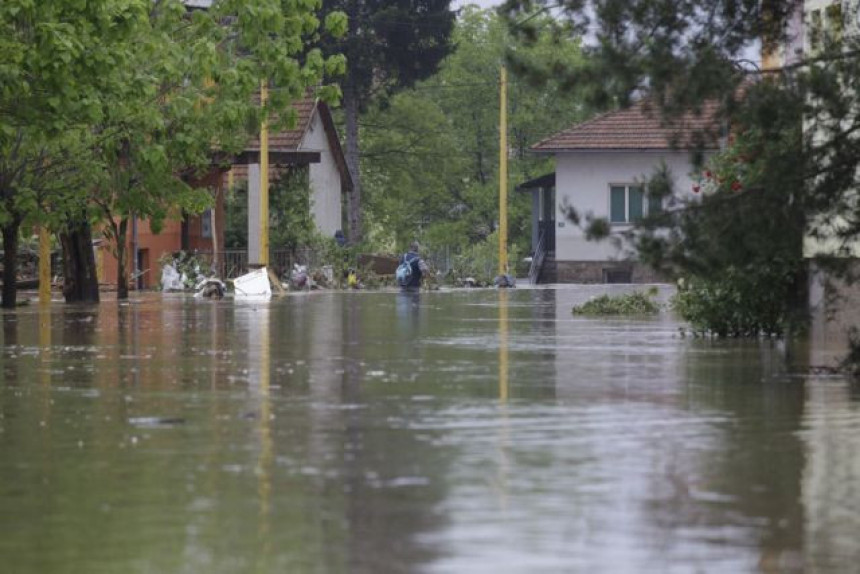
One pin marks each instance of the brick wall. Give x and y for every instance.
(600, 272)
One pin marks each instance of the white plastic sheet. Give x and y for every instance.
(253, 285)
(170, 279)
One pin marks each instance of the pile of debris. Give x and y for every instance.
(181, 271)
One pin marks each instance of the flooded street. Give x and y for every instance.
(465, 431)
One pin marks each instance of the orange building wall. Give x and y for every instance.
(169, 240)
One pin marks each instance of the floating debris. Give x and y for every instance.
(505, 281)
(299, 277)
(210, 288)
(156, 421)
(253, 285)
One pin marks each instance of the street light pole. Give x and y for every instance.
(503, 172)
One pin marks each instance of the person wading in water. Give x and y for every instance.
(411, 269)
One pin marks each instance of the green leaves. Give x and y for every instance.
(431, 154)
(742, 302)
(336, 24)
(636, 303)
(120, 103)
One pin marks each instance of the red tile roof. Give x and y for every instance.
(291, 139)
(638, 127)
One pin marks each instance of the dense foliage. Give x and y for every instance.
(636, 303)
(742, 303)
(432, 153)
(785, 189)
(291, 225)
(740, 243)
(478, 263)
(115, 109)
(389, 45)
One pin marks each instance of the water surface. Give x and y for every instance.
(466, 431)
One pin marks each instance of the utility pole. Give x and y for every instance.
(44, 266)
(503, 158)
(264, 179)
(503, 172)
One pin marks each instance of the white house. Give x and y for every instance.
(601, 165)
(314, 143)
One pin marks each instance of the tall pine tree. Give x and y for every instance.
(390, 44)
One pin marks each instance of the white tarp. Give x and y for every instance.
(253, 285)
(171, 280)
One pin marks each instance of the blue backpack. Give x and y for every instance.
(403, 274)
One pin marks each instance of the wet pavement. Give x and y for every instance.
(464, 431)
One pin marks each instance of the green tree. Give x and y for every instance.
(154, 93)
(56, 60)
(432, 153)
(389, 45)
(191, 89)
(795, 128)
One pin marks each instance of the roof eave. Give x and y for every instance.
(620, 150)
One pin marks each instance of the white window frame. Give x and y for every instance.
(646, 204)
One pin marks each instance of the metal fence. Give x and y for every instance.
(233, 263)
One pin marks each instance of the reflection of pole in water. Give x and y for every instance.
(259, 358)
(45, 330)
(504, 428)
(503, 345)
(45, 356)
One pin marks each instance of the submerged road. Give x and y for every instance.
(464, 431)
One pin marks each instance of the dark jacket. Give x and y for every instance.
(414, 261)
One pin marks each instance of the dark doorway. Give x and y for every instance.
(142, 268)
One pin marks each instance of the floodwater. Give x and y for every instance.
(465, 431)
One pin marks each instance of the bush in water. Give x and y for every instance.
(742, 303)
(637, 303)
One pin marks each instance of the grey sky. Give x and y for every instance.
(481, 3)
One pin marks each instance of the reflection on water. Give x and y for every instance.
(432, 432)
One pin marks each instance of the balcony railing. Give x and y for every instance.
(538, 259)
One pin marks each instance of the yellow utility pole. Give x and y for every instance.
(264, 180)
(503, 345)
(44, 266)
(503, 172)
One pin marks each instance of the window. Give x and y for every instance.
(627, 203)
(815, 30)
(206, 224)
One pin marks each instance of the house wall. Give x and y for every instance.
(324, 180)
(829, 225)
(583, 180)
(789, 52)
(168, 240)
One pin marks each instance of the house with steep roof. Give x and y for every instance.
(601, 169)
(312, 144)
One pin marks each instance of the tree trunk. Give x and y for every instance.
(121, 233)
(10, 263)
(80, 280)
(216, 245)
(350, 106)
